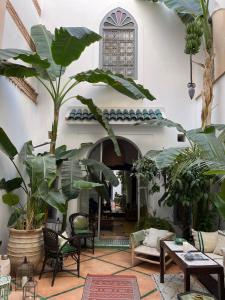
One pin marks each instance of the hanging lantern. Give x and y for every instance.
(24, 272)
(29, 289)
(191, 85)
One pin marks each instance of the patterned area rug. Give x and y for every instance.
(111, 287)
(174, 284)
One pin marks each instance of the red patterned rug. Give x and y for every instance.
(111, 287)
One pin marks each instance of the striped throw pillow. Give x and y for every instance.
(205, 241)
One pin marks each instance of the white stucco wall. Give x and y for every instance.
(19, 116)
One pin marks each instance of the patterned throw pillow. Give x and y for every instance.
(80, 223)
(220, 246)
(205, 241)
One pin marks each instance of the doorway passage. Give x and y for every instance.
(118, 214)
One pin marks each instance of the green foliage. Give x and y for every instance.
(154, 222)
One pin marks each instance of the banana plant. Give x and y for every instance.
(40, 189)
(205, 154)
(53, 54)
(195, 15)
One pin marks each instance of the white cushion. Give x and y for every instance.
(220, 243)
(61, 240)
(153, 235)
(147, 250)
(205, 241)
(214, 256)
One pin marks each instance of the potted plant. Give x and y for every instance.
(28, 214)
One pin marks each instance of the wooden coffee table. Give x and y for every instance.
(189, 268)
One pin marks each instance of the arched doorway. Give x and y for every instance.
(118, 215)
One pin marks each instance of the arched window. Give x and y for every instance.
(118, 47)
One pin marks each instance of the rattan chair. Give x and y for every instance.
(85, 234)
(56, 253)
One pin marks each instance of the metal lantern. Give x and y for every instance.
(24, 272)
(29, 289)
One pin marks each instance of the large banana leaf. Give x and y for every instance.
(70, 171)
(6, 54)
(6, 146)
(14, 70)
(26, 151)
(166, 157)
(62, 153)
(43, 41)
(186, 9)
(210, 146)
(56, 199)
(41, 168)
(10, 185)
(126, 86)
(165, 123)
(97, 167)
(28, 57)
(85, 185)
(70, 42)
(102, 120)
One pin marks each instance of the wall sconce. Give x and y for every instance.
(191, 85)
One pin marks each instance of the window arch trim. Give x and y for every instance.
(120, 19)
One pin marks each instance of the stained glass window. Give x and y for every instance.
(119, 44)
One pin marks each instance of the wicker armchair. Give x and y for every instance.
(86, 231)
(56, 252)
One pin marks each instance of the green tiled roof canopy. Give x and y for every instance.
(116, 114)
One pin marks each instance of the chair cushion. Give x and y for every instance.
(205, 241)
(80, 223)
(153, 236)
(67, 249)
(62, 241)
(147, 250)
(220, 246)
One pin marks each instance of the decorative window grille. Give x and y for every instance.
(118, 52)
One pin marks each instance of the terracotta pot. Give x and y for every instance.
(23, 243)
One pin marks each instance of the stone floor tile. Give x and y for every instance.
(62, 283)
(98, 252)
(95, 266)
(72, 295)
(147, 268)
(154, 296)
(121, 258)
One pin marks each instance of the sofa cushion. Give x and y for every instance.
(153, 236)
(147, 250)
(220, 243)
(205, 241)
(80, 223)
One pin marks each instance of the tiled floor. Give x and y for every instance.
(104, 261)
